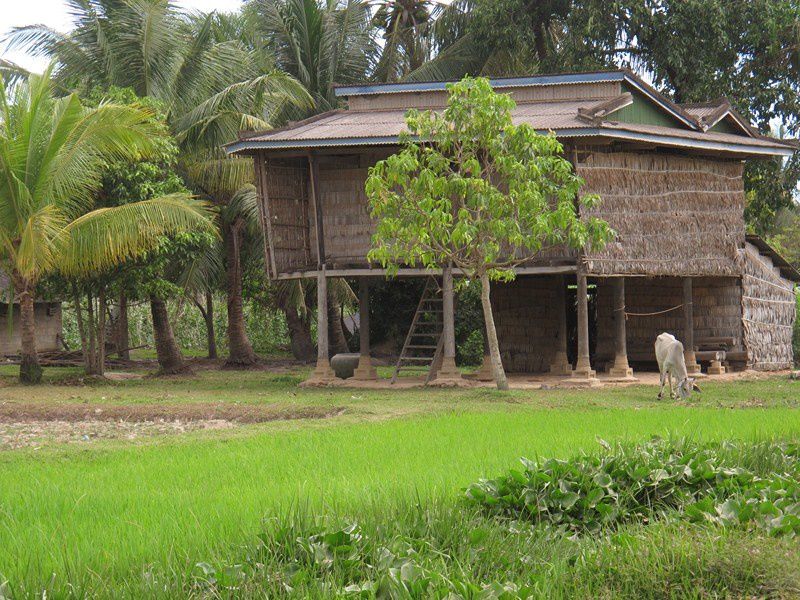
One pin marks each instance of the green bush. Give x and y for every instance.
(640, 483)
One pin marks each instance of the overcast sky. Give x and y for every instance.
(53, 13)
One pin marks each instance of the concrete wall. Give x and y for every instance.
(48, 328)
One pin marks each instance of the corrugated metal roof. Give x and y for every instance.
(354, 128)
(698, 111)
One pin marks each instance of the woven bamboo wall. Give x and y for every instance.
(526, 320)
(347, 226)
(291, 224)
(674, 215)
(768, 313)
(717, 313)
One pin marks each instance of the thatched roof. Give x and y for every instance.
(787, 270)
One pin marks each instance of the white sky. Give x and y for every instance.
(53, 13)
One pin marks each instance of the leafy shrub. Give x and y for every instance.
(640, 483)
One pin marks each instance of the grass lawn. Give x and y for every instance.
(133, 518)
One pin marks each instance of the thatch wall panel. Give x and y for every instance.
(674, 215)
(768, 313)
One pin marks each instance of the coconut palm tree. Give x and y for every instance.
(406, 27)
(212, 78)
(52, 155)
(319, 42)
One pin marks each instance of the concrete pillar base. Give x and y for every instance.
(484, 373)
(365, 371)
(692, 368)
(560, 365)
(448, 371)
(582, 372)
(321, 375)
(621, 372)
(716, 368)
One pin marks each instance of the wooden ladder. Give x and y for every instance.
(423, 346)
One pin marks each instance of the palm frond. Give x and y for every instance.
(107, 237)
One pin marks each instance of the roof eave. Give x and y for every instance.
(743, 149)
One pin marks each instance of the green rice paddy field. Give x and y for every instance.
(117, 517)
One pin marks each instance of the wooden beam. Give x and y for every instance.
(448, 370)
(367, 272)
(583, 368)
(313, 178)
(266, 217)
(688, 328)
(560, 364)
(620, 368)
(365, 370)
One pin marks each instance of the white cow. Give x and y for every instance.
(669, 354)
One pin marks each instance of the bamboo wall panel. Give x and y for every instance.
(674, 215)
(347, 225)
(291, 224)
(717, 313)
(768, 313)
(527, 322)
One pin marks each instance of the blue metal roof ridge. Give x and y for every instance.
(668, 140)
(500, 82)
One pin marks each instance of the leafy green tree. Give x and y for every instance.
(471, 189)
(53, 152)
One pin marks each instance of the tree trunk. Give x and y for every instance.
(208, 316)
(169, 355)
(491, 334)
(30, 371)
(92, 362)
(123, 334)
(337, 338)
(76, 300)
(240, 350)
(301, 343)
(100, 365)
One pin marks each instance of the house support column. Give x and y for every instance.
(560, 364)
(485, 372)
(448, 370)
(365, 371)
(688, 328)
(620, 369)
(583, 368)
(323, 373)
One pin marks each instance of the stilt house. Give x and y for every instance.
(670, 180)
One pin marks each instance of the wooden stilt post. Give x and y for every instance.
(365, 371)
(323, 373)
(560, 364)
(688, 328)
(620, 368)
(448, 370)
(583, 368)
(484, 373)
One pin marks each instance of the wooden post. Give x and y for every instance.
(620, 368)
(448, 369)
(560, 364)
(583, 368)
(688, 328)
(323, 373)
(365, 371)
(484, 372)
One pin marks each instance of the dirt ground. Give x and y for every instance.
(34, 424)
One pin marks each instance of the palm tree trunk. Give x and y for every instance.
(30, 371)
(208, 317)
(299, 335)
(76, 300)
(240, 351)
(169, 355)
(100, 365)
(123, 332)
(337, 339)
(92, 368)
